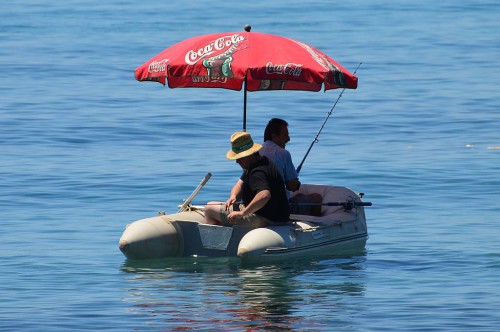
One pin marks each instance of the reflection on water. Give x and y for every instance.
(190, 294)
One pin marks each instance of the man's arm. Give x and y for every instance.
(235, 193)
(255, 205)
(290, 173)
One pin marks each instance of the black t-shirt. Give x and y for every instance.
(263, 175)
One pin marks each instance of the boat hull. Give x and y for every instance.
(281, 242)
(339, 231)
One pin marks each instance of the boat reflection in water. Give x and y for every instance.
(179, 294)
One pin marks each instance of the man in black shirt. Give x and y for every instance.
(261, 188)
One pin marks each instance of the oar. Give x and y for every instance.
(188, 201)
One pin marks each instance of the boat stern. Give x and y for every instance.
(150, 238)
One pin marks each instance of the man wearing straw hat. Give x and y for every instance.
(260, 187)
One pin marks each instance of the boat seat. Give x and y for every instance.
(329, 214)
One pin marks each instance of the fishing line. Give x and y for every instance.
(324, 122)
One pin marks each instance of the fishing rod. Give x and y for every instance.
(320, 129)
(348, 205)
(216, 203)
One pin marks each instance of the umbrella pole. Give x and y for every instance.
(245, 105)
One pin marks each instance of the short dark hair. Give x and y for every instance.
(274, 127)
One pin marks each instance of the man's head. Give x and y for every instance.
(277, 131)
(242, 146)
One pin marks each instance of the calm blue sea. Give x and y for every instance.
(85, 149)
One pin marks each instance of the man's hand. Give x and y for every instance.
(229, 202)
(293, 185)
(235, 215)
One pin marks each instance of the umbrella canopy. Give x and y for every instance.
(253, 60)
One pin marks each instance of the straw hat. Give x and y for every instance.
(242, 145)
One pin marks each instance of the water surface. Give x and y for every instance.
(85, 149)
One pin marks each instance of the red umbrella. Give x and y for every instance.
(253, 60)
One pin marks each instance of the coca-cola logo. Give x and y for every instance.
(289, 69)
(158, 66)
(218, 45)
